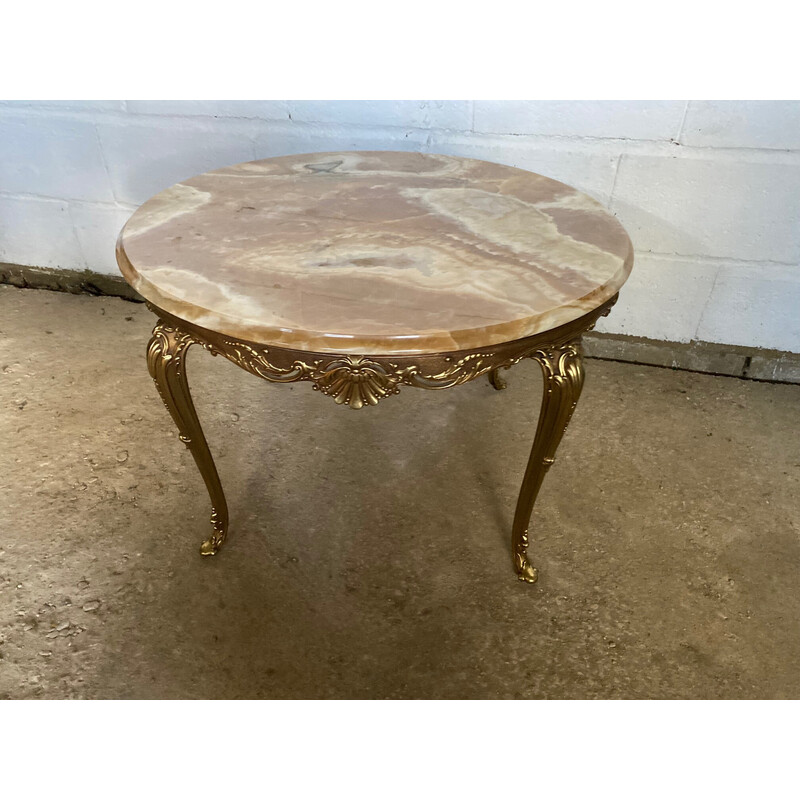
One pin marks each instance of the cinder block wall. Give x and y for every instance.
(709, 191)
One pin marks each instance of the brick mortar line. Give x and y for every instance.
(683, 123)
(718, 259)
(104, 161)
(708, 300)
(117, 204)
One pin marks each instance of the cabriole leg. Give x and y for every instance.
(166, 360)
(562, 371)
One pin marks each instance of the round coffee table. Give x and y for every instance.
(362, 272)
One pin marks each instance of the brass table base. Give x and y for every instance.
(359, 381)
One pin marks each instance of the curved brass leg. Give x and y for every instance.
(166, 360)
(496, 380)
(562, 370)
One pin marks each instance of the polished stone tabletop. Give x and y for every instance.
(374, 252)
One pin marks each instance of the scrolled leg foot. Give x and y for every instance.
(496, 381)
(208, 547)
(526, 572)
(211, 546)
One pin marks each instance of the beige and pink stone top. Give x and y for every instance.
(374, 252)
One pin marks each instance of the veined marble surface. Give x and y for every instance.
(374, 252)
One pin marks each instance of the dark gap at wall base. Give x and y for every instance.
(68, 280)
(749, 363)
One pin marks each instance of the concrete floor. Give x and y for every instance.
(369, 553)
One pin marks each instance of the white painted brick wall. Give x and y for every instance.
(246, 109)
(640, 310)
(40, 232)
(275, 139)
(736, 314)
(51, 156)
(761, 124)
(591, 172)
(97, 227)
(594, 118)
(425, 114)
(710, 191)
(707, 207)
(70, 105)
(146, 155)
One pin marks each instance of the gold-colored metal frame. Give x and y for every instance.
(363, 380)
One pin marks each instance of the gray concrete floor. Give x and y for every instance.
(369, 553)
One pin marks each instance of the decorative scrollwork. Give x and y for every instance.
(256, 361)
(562, 368)
(463, 370)
(357, 381)
(166, 352)
(354, 381)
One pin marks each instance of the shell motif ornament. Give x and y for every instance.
(356, 382)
